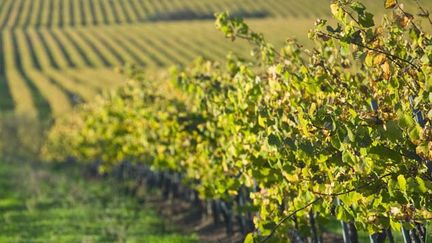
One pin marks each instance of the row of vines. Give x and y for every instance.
(342, 130)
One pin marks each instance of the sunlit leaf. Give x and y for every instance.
(390, 4)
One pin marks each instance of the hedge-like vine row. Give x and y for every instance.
(343, 129)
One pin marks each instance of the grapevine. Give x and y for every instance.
(343, 129)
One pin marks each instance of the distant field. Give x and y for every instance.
(61, 13)
(56, 53)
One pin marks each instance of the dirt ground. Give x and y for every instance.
(189, 218)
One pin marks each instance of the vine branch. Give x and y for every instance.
(287, 217)
(352, 189)
(388, 54)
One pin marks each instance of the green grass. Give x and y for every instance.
(40, 204)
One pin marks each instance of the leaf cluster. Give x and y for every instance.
(348, 121)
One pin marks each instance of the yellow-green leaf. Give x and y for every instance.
(369, 60)
(402, 183)
(421, 184)
(261, 121)
(395, 225)
(390, 4)
(249, 238)
(334, 8)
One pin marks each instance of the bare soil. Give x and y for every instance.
(189, 218)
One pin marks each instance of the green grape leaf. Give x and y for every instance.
(384, 152)
(350, 134)
(274, 140)
(342, 214)
(421, 185)
(348, 157)
(415, 134)
(367, 20)
(406, 121)
(335, 141)
(358, 7)
(429, 87)
(395, 225)
(249, 238)
(261, 121)
(402, 183)
(391, 187)
(393, 131)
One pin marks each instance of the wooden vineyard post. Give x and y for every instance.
(216, 210)
(227, 215)
(390, 235)
(349, 231)
(241, 202)
(378, 237)
(316, 238)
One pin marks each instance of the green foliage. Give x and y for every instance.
(304, 127)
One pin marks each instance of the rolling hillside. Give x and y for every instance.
(61, 13)
(56, 53)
